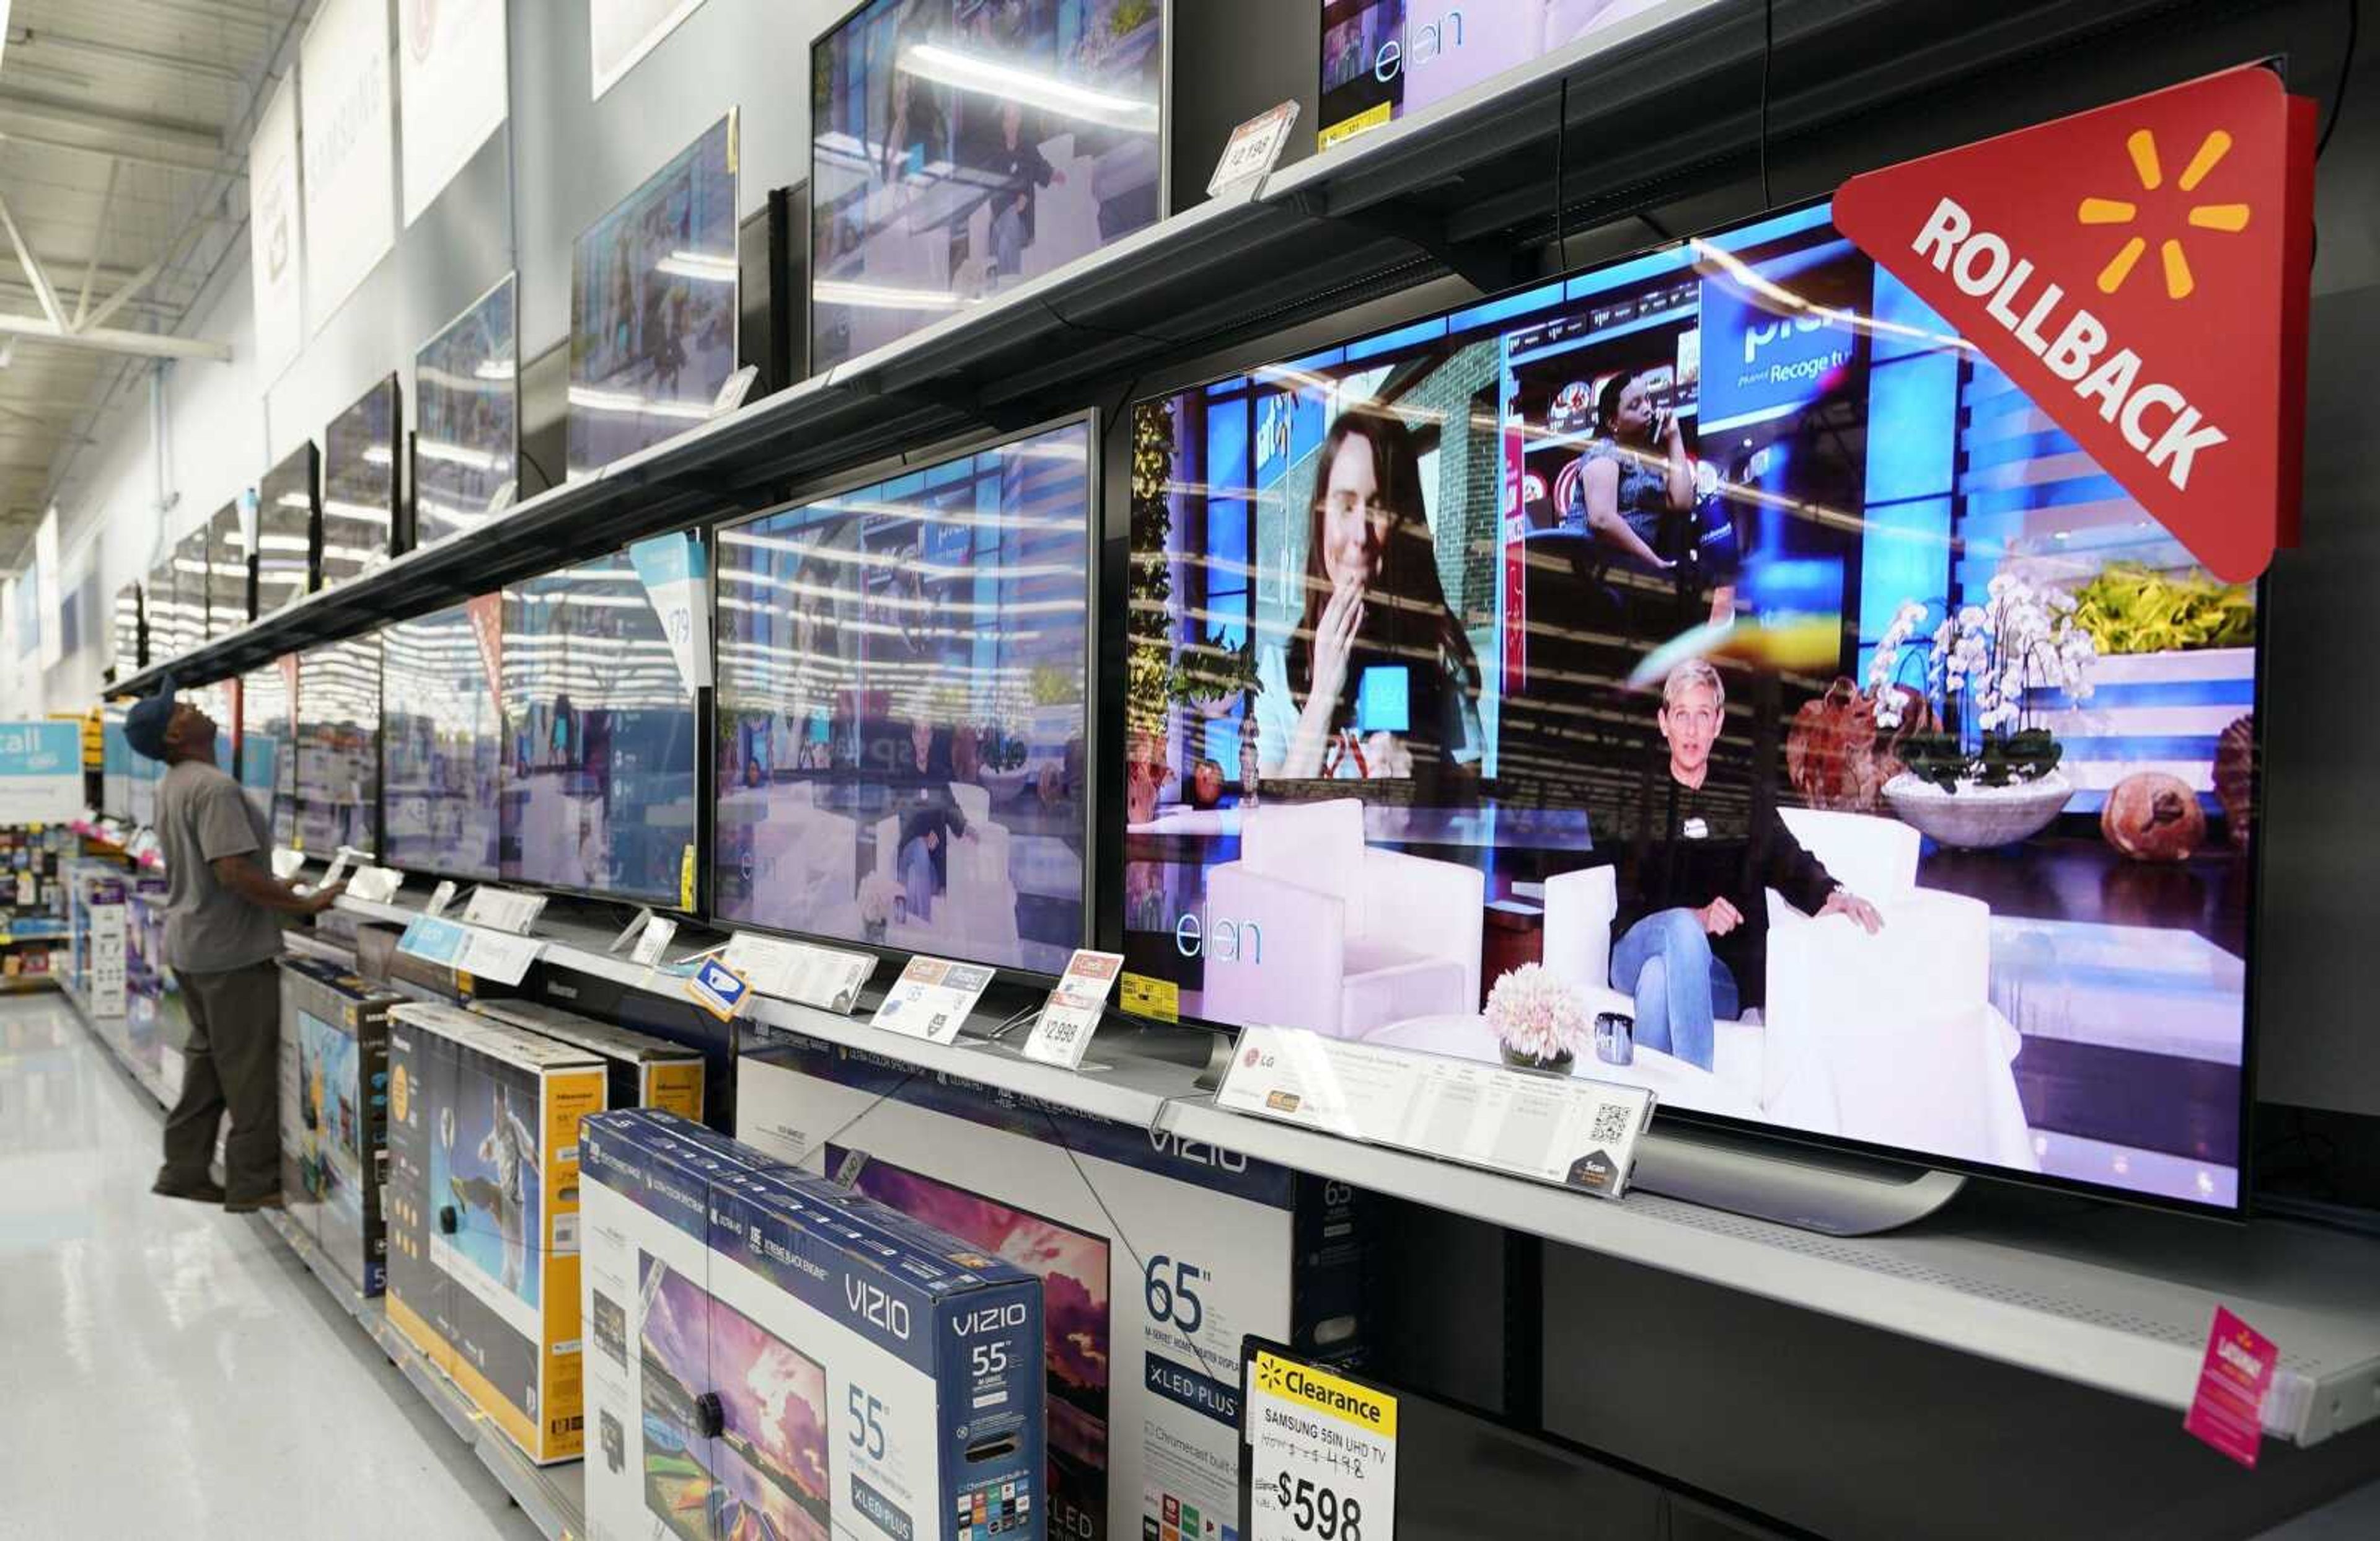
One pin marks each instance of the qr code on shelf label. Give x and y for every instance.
(1612, 1122)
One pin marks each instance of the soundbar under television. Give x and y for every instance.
(1754, 667)
(901, 708)
(652, 307)
(466, 418)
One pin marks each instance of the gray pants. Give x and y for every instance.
(235, 1066)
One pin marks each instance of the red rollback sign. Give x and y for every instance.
(487, 614)
(2140, 271)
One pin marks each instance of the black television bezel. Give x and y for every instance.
(733, 120)
(310, 453)
(808, 342)
(1417, 306)
(409, 497)
(325, 464)
(698, 698)
(1096, 601)
(388, 856)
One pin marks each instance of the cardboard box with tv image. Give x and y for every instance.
(642, 1071)
(1770, 677)
(1141, 1327)
(335, 1113)
(730, 1296)
(484, 1221)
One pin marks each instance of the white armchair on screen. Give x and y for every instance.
(805, 860)
(1918, 1058)
(1310, 927)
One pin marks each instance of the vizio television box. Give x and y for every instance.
(483, 1213)
(1144, 1327)
(335, 1113)
(645, 1072)
(771, 1355)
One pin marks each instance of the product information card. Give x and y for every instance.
(799, 971)
(470, 950)
(1553, 1128)
(1072, 1014)
(504, 909)
(1324, 1453)
(932, 997)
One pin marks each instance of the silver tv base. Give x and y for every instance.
(1827, 1192)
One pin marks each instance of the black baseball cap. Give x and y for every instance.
(144, 726)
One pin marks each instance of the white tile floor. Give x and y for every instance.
(172, 1370)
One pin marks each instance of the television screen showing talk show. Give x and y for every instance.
(1708, 672)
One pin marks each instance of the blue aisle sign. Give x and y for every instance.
(41, 773)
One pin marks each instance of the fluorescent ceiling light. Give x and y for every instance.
(378, 455)
(878, 296)
(699, 266)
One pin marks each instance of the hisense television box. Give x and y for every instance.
(335, 1114)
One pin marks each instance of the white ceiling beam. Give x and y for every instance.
(163, 159)
(98, 243)
(34, 274)
(181, 133)
(39, 39)
(139, 344)
(132, 285)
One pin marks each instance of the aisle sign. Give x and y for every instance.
(932, 997)
(1072, 1014)
(1550, 1128)
(1323, 1454)
(41, 773)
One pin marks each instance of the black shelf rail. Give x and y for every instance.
(1694, 101)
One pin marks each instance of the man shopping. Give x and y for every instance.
(223, 931)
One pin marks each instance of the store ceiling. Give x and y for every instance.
(123, 128)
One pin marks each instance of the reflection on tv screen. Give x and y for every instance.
(360, 485)
(652, 307)
(962, 149)
(443, 735)
(465, 405)
(1756, 664)
(901, 689)
(338, 747)
(284, 531)
(598, 770)
(268, 745)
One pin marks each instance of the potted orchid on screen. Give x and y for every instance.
(1990, 777)
(1539, 1020)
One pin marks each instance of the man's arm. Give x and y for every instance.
(242, 876)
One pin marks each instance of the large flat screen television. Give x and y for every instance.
(359, 486)
(1385, 59)
(901, 708)
(230, 572)
(268, 745)
(652, 307)
(466, 418)
(338, 747)
(289, 530)
(600, 740)
(1575, 612)
(959, 149)
(442, 741)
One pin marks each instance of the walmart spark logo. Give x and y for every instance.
(2229, 218)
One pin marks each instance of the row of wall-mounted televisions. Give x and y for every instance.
(1426, 658)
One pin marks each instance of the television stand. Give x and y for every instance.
(1831, 1193)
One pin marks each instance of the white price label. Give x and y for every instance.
(504, 909)
(1325, 1454)
(826, 978)
(1072, 1014)
(1254, 148)
(932, 997)
(658, 930)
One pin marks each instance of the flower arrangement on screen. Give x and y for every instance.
(1984, 664)
(1537, 1017)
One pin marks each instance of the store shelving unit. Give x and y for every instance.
(1668, 111)
(2105, 1296)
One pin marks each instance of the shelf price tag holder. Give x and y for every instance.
(659, 930)
(932, 997)
(1253, 150)
(1062, 1032)
(440, 897)
(1320, 1451)
(806, 975)
(1549, 1128)
(470, 949)
(504, 909)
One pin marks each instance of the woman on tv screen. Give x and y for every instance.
(1378, 680)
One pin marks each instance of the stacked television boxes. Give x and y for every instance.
(774, 1355)
(335, 1114)
(644, 1072)
(1143, 1328)
(483, 1213)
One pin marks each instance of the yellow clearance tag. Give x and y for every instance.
(1144, 996)
(1378, 116)
(1326, 1393)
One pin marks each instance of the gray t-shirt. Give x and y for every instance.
(202, 815)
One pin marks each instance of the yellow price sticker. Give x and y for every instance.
(1142, 995)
